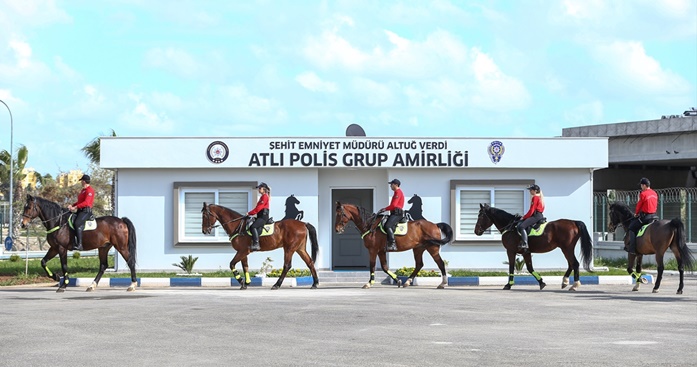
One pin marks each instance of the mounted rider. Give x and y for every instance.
(261, 210)
(396, 209)
(534, 215)
(645, 212)
(83, 209)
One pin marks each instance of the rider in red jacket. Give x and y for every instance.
(396, 209)
(261, 210)
(645, 212)
(534, 215)
(83, 208)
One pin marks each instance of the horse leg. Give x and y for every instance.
(287, 258)
(385, 268)
(573, 265)
(681, 266)
(103, 264)
(435, 254)
(511, 264)
(310, 264)
(63, 255)
(527, 256)
(238, 256)
(638, 279)
(659, 263)
(245, 270)
(418, 265)
(50, 255)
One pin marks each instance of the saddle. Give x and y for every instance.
(401, 228)
(643, 227)
(266, 230)
(538, 228)
(90, 223)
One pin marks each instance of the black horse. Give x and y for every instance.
(656, 239)
(292, 211)
(110, 232)
(416, 211)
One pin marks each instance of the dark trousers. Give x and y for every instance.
(255, 227)
(81, 217)
(391, 222)
(527, 223)
(634, 227)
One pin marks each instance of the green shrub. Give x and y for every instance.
(15, 258)
(292, 273)
(76, 255)
(405, 272)
(187, 263)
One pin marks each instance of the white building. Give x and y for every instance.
(161, 184)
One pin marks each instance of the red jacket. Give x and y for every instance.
(535, 205)
(263, 203)
(397, 200)
(85, 199)
(648, 202)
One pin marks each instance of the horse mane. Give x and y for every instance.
(622, 208)
(229, 210)
(366, 215)
(49, 208)
(501, 214)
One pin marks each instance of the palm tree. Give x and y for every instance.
(17, 172)
(93, 152)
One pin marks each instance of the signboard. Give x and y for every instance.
(8, 243)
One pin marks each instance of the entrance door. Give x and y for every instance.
(348, 251)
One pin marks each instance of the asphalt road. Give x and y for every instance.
(343, 325)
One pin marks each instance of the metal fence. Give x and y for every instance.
(674, 202)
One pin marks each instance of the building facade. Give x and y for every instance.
(162, 183)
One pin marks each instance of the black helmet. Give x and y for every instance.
(644, 181)
(396, 182)
(85, 178)
(533, 187)
(264, 185)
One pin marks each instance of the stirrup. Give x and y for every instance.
(391, 247)
(255, 246)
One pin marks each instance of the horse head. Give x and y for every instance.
(31, 211)
(292, 200)
(483, 220)
(620, 214)
(343, 216)
(208, 219)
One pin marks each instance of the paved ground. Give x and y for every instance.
(343, 325)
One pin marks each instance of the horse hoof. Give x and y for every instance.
(60, 290)
(131, 289)
(366, 286)
(399, 283)
(643, 280)
(506, 287)
(572, 289)
(275, 287)
(678, 292)
(635, 289)
(440, 286)
(543, 285)
(654, 291)
(314, 286)
(89, 289)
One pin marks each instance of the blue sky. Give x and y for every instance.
(74, 70)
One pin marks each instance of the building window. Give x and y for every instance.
(189, 199)
(508, 195)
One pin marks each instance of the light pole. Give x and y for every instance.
(9, 234)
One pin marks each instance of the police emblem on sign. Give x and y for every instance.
(217, 152)
(496, 150)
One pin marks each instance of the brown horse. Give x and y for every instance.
(656, 239)
(290, 234)
(111, 231)
(421, 236)
(561, 233)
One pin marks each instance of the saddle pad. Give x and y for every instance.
(538, 231)
(267, 230)
(643, 228)
(400, 230)
(90, 225)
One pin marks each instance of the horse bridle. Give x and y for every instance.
(210, 214)
(506, 228)
(35, 211)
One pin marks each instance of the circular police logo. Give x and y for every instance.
(217, 152)
(496, 150)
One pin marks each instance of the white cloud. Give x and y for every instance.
(241, 106)
(311, 81)
(373, 93)
(142, 118)
(590, 113)
(174, 60)
(628, 62)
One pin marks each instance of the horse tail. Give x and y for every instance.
(685, 253)
(313, 239)
(131, 261)
(447, 232)
(586, 245)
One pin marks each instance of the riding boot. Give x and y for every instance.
(523, 240)
(391, 245)
(632, 243)
(77, 246)
(255, 239)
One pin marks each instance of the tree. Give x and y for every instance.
(93, 152)
(17, 166)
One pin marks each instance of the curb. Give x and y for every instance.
(307, 281)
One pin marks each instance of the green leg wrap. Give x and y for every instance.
(48, 271)
(372, 278)
(392, 275)
(511, 278)
(247, 279)
(237, 276)
(536, 275)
